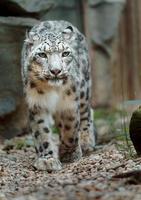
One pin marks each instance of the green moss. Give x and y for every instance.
(122, 139)
(20, 144)
(55, 130)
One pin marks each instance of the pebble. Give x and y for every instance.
(89, 178)
(95, 157)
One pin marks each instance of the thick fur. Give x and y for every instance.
(56, 79)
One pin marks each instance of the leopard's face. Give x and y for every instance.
(51, 59)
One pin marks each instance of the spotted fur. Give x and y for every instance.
(56, 79)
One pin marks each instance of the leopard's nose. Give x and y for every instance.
(55, 71)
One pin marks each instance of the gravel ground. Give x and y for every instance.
(88, 179)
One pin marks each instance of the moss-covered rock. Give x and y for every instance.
(135, 130)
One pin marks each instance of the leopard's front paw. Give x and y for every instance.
(48, 164)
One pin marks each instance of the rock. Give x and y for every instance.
(104, 18)
(34, 5)
(25, 8)
(105, 23)
(7, 104)
(13, 114)
(135, 130)
(104, 131)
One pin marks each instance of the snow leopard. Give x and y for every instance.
(56, 76)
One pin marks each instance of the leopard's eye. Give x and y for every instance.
(42, 55)
(65, 53)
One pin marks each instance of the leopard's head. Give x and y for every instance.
(51, 55)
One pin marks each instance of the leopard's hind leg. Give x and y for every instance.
(87, 134)
(68, 123)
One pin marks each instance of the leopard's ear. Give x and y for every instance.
(28, 39)
(68, 33)
(31, 37)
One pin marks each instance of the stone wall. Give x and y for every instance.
(12, 109)
(105, 18)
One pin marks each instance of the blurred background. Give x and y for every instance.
(113, 32)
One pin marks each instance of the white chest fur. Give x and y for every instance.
(48, 101)
(51, 100)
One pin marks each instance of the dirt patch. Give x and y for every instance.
(88, 179)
